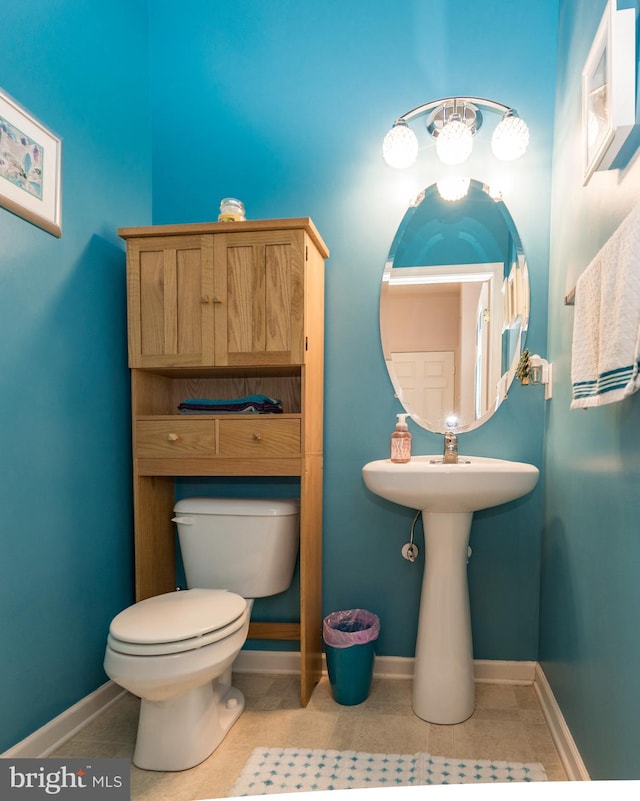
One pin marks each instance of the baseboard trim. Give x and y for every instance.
(288, 662)
(267, 662)
(492, 671)
(569, 755)
(50, 736)
(498, 671)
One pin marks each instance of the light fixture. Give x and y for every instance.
(454, 143)
(453, 122)
(510, 138)
(400, 146)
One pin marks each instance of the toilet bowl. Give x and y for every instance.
(175, 651)
(188, 703)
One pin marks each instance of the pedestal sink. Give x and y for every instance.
(448, 495)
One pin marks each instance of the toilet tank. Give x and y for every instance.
(245, 545)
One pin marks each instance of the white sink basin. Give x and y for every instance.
(474, 483)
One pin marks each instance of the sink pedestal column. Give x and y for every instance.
(443, 688)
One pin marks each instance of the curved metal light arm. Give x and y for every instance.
(482, 103)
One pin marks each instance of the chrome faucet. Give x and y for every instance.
(450, 448)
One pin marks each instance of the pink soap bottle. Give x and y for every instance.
(401, 441)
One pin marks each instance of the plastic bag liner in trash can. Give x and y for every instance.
(349, 637)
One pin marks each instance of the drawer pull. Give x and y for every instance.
(257, 436)
(173, 437)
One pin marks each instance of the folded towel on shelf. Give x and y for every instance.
(606, 326)
(250, 404)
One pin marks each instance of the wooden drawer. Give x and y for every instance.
(178, 438)
(264, 436)
(195, 438)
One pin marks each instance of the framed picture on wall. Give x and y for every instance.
(30, 167)
(608, 89)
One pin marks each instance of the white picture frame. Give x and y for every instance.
(30, 167)
(608, 89)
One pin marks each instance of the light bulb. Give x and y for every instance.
(453, 187)
(454, 143)
(400, 146)
(510, 138)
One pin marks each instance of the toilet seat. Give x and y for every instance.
(177, 622)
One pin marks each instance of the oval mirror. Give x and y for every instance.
(454, 308)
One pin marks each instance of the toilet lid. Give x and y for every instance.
(178, 616)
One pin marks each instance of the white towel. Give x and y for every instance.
(606, 325)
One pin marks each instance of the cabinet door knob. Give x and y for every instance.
(172, 437)
(257, 436)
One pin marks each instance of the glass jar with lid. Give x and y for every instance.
(231, 210)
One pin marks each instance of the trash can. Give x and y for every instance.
(349, 638)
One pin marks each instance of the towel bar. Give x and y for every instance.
(570, 298)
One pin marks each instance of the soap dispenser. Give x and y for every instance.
(401, 441)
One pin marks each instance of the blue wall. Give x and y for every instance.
(285, 105)
(589, 646)
(65, 494)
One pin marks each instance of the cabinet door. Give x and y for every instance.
(170, 301)
(260, 276)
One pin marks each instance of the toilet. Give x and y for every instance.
(175, 651)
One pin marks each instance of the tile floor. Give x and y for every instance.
(508, 725)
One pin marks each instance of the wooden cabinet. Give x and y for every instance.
(224, 310)
(216, 299)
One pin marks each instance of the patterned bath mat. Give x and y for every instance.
(284, 770)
